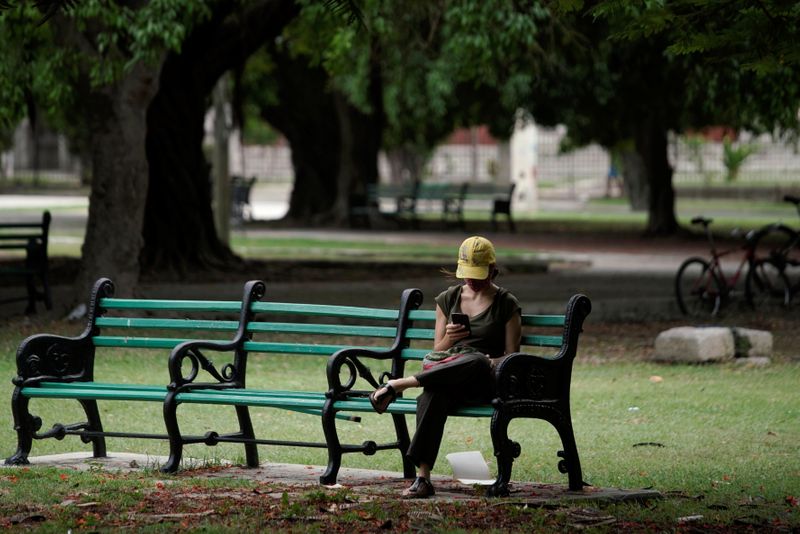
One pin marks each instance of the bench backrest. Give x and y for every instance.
(118, 323)
(542, 334)
(489, 190)
(441, 191)
(21, 236)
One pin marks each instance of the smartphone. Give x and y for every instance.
(460, 318)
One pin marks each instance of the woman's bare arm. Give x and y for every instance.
(513, 333)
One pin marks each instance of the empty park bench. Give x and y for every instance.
(32, 237)
(415, 198)
(530, 384)
(176, 340)
(410, 199)
(498, 196)
(400, 197)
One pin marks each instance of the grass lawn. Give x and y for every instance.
(719, 441)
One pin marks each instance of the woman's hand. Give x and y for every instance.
(447, 334)
(455, 332)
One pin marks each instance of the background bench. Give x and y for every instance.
(32, 238)
(531, 384)
(498, 196)
(240, 199)
(410, 199)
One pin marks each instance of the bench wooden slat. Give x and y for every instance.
(527, 320)
(323, 329)
(543, 320)
(542, 341)
(352, 312)
(305, 402)
(138, 342)
(414, 354)
(146, 387)
(409, 407)
(171, 324)
(297, 348)
(255, 327)
(170, 305)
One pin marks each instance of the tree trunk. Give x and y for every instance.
(361, 134)
(307, 116)
(334, 145)
(119, 182)
(179, 230)
(358, 165)
(651, 145)
(634, 178)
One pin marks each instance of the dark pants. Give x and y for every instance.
(467, 380)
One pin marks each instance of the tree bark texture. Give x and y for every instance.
(306, 115)
(179, 232)
(635, 182)
(119, 182)
(334, 145)
(651, 145)
(114, 117)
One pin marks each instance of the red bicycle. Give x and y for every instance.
(703, 289)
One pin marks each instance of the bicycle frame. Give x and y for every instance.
(729, 283)
(715, 265)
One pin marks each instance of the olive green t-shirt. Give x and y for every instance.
(488, 328)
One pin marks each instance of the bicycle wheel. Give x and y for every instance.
(766, 286)
(698, 290)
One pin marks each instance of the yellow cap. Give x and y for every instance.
(474, 258)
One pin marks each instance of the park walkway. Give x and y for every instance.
(627, 276)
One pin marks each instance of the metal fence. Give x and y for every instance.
(581, 172)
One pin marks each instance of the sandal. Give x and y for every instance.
(420, 489)
(380, 404)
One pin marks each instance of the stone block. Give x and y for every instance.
(749, 343)
(694, 345)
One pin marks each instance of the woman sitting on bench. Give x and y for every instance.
(477, 323)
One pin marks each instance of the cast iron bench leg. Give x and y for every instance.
(174, 432)
(334, 446)
(570, 462)
(25, 424)
(30, 284)
(48, 298)
(505, 451)
(94, 425)
(403, 442)
(246, 428)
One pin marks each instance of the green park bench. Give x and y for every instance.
(531, 384)
(499, 197)
(32, 237)
(57, 367)
(410, 199)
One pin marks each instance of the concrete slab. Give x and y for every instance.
(365, 482)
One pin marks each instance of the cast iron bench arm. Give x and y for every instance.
(54, 358)
(523, 375)
(411, 299)
(349, 358)
(231, 375)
